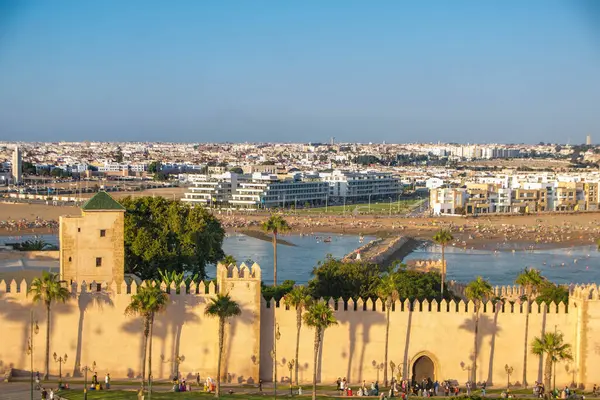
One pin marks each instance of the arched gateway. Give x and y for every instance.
(423, 366)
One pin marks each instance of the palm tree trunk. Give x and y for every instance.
(315, 361)
(274, 259)
(387, 335)
(47, 374)
(548, 373)
(526, 347)
(146, 332)
(298, 327)
(150, 351)
(443, 268)
(221, 334)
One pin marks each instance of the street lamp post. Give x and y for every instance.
(291, 368)
(34, 330)
(369, 203)
(60, 360)
(509, 371)
(390, 206)
(85, 372)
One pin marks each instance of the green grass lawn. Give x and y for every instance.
(132, 395)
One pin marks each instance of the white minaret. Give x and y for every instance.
(17, 166)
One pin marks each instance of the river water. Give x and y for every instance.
(567, 265)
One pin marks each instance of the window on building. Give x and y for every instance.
(102, 232)
(69, 259)
(98, 261)
(78, 229)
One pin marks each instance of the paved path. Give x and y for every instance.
(16, 391)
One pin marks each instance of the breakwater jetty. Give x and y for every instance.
(383, 251)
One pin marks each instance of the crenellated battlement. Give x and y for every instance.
(584, 292)
(201, 288)
(242, 272)
(433, 306)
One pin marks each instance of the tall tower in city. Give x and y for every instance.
(17, 166)
(588, 140)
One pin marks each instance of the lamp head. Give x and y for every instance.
(36, 329)
(54, 355)
(65, 358)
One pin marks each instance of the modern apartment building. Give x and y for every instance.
(360, 187)
(447, 200)
(529, 197)
(211, 190)
(267, 190)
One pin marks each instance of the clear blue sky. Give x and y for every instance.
(252, 70)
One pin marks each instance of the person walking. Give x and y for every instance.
(107, 381)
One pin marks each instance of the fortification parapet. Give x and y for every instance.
(584, 292)
(431, 306)
(232, 271)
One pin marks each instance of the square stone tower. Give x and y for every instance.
(92, 245)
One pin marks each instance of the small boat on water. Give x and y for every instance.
(327, 240)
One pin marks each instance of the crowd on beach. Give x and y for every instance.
(484, 232)
(24, 224)
(475, 233)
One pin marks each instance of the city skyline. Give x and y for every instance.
(467, 72)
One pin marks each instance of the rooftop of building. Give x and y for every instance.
(102, 201)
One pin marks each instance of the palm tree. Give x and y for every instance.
(48, 289)
(320, 317)
(275, 224)
(300, 299)
(221, 307)
(228, 260)
(477, 291)
(146, 303)
(387, 290)
(551, 344)
(443, 237)
(531, 279)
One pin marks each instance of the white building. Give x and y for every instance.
(17, 167)
(267, 190)
(356, 187)
(211, 190)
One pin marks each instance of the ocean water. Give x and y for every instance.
(566, 265)
(293, 262)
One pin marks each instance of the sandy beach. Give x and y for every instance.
(494, 232)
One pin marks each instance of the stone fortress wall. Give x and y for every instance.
(92, 327)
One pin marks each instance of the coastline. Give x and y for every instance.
(496, 233)
(462, 240)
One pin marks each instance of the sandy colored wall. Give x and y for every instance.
(81, 244)
(356, 345)
(93, 327)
